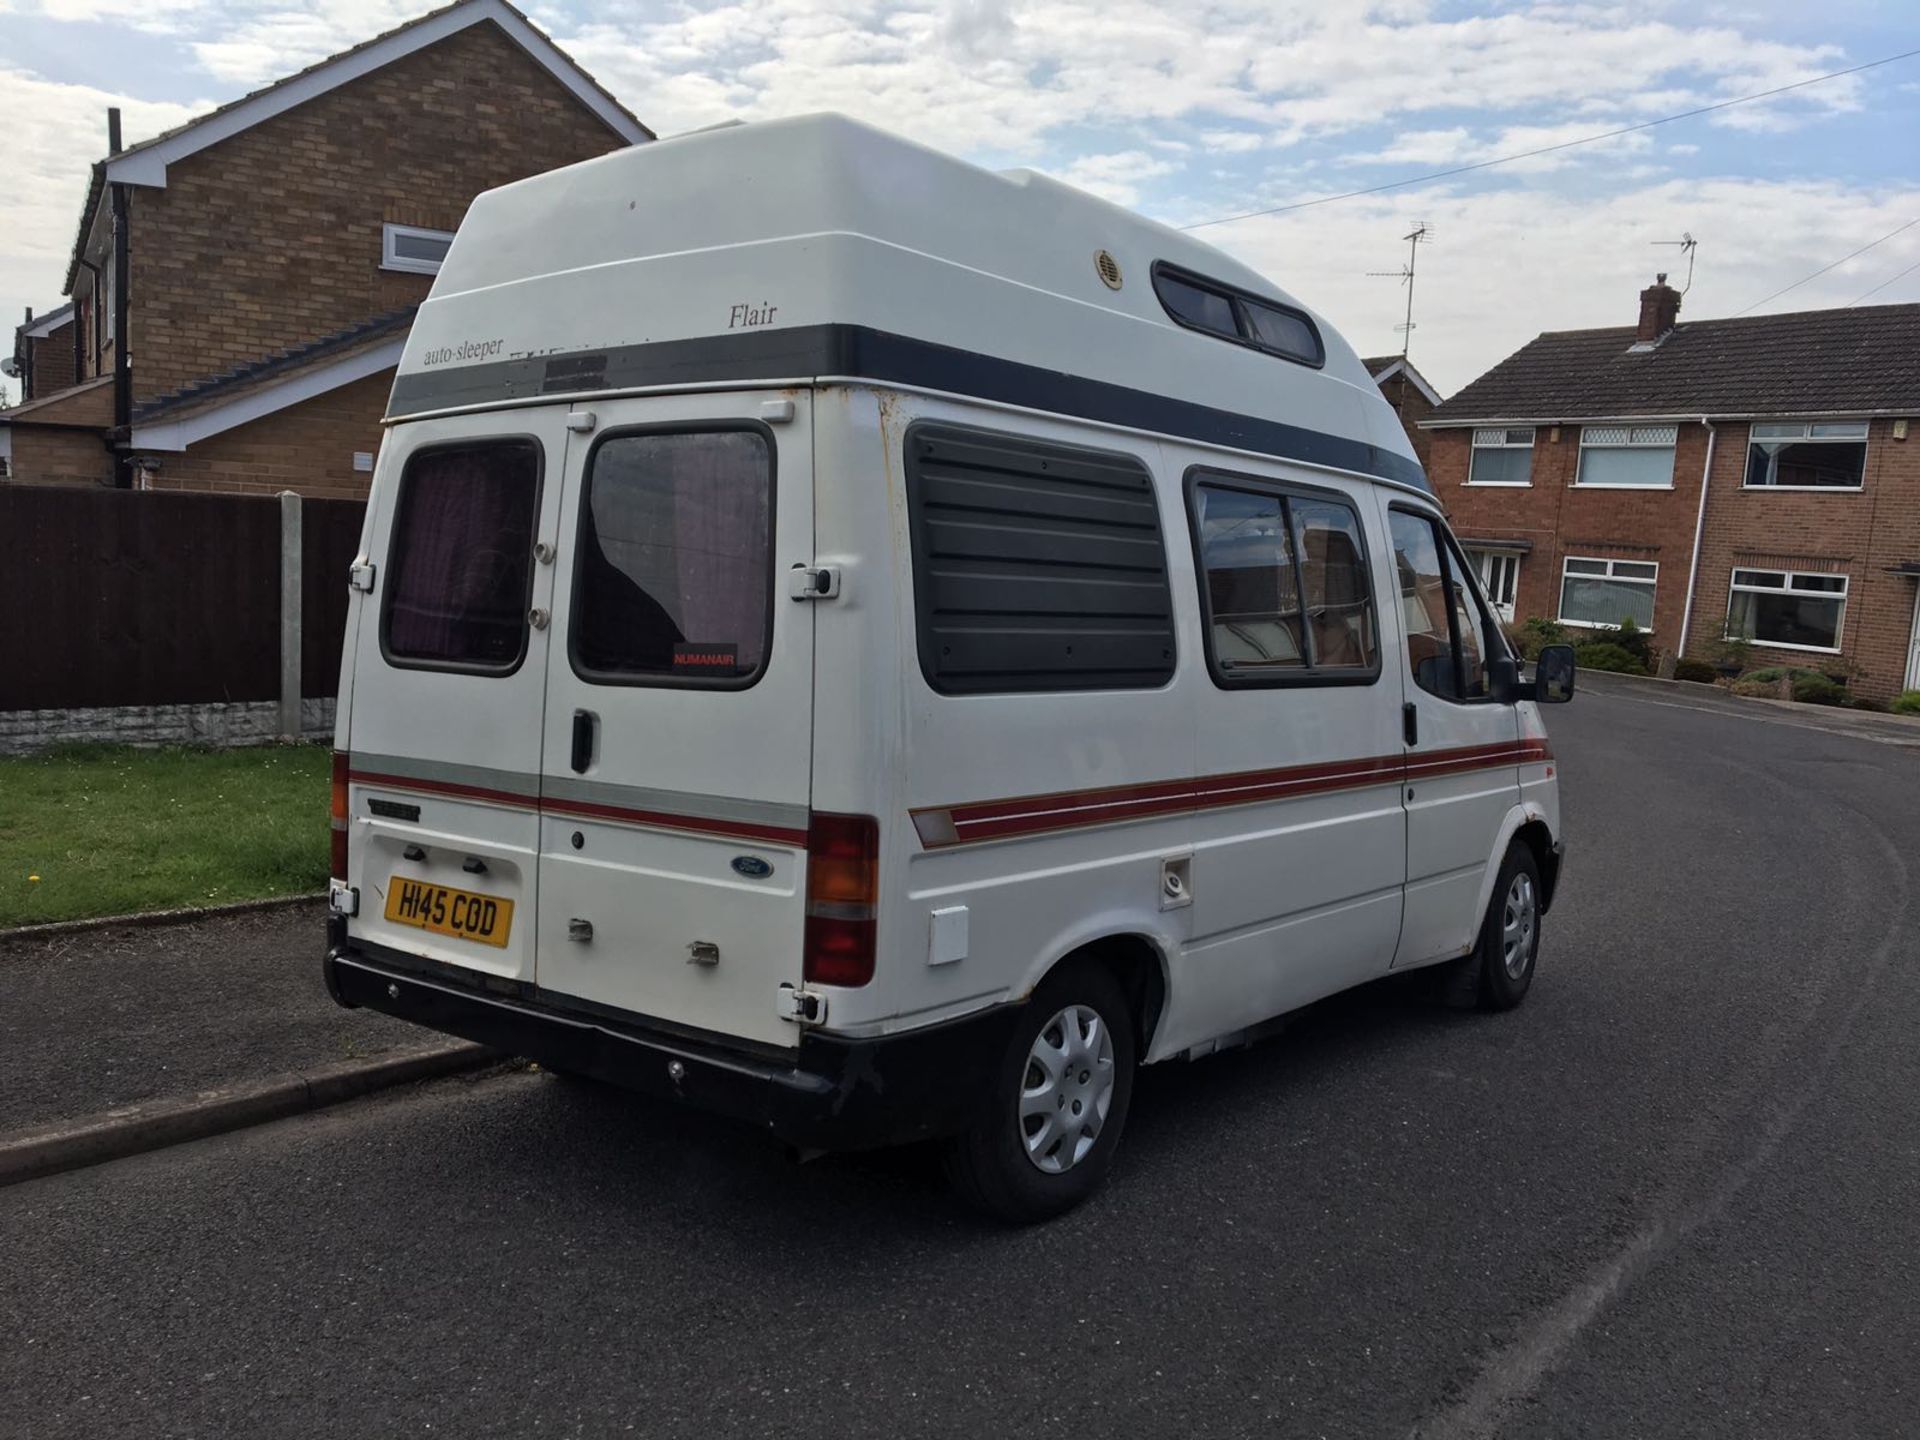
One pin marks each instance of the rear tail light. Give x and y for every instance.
(339, 815)
(843, 888)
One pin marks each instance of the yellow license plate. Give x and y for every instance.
(446, 911)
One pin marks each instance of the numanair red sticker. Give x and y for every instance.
(706, 659)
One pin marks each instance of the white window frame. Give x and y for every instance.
(1635, 437)
(390, 259)
(1486, 562)
(1485, 439)
(1787, 588)
(1652, 582)
(1801, 433)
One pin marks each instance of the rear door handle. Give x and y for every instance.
(583, 726)
(1409, 722)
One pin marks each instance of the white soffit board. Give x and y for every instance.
(258, 404)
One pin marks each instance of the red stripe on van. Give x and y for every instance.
(586, 809)
(445, 787)
(1080, 809)
(663, 820)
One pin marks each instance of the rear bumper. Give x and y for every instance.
(832, 1093)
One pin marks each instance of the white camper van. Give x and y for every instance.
(882, 649)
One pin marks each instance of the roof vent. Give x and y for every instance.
(1109, 269)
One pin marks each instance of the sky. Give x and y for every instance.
(1187, 110)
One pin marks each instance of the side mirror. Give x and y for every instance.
(1553, 675)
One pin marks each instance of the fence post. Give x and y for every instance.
(290, 726)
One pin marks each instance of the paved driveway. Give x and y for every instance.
(1677, 1194)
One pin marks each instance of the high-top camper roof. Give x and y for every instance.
(818, 247)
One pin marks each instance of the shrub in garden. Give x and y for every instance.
(1699, 671)
(1907, 702)
(1532, 635)
(1818, 690)
(1867, 702)
(1604, 655)
(1761, 689)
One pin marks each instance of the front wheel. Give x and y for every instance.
(1046, 1135)
(1510, 935)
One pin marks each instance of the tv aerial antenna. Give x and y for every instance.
(1421, 234)
(1687, 245)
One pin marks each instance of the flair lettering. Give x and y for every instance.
(746, 317)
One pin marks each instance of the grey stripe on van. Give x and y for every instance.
(516, 784)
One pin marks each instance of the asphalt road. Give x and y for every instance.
(1676, 1194)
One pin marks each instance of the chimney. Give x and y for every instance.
(113, 130)
(1659, 308)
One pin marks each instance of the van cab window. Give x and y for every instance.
(460, 569)
(1448, 630)
(1285, 585)
(674, 578)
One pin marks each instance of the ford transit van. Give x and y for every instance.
(884, 649)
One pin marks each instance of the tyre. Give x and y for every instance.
(1502, 963)
(1048, 1131)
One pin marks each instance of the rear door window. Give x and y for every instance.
(674, 580)
(460, 567)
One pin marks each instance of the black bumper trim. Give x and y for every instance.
(831, 1093)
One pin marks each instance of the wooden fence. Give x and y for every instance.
(113, 598)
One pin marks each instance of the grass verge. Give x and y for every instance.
(110, 830)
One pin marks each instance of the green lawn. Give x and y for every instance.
(109, 830)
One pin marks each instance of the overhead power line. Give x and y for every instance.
(1553, 149)
(1898, 230)
(1885, 283)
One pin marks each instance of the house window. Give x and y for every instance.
(404, 247)
(1812, 456)
(1499, 573)
(1502, 457)
(1607, 592)
(1627, 457)
(1789, 608)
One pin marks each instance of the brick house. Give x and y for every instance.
(265, 260)
(1407, 390)
(1745, 477)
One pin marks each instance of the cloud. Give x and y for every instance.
(55, 133)
(1116, 177)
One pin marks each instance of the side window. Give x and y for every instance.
(1036, 566)
(674, 580)
(1253, 582)
(1334, 572)
(1285, 585)
(1449, 633)
(460, 564)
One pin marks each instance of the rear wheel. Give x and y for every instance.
(1047, 1133)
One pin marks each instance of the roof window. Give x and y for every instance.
(1220, 310)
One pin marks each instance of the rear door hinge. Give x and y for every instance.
(360, 577)
(807, 582)
(803, 1007)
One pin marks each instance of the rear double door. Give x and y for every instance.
(675, 764)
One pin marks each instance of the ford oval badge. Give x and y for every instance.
(751, 866)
